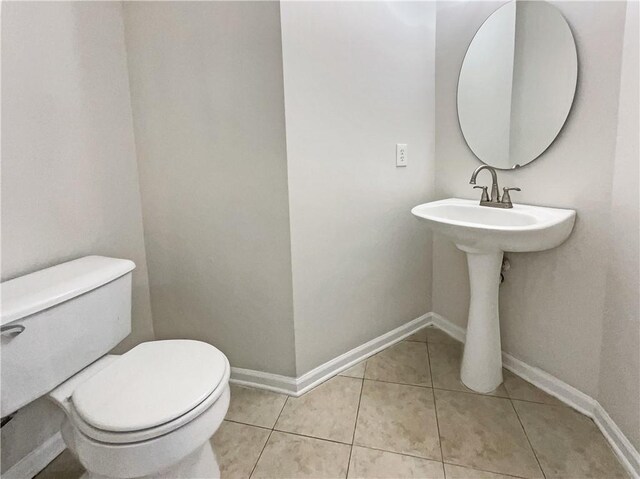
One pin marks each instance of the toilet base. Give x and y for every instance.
(186, 452)
(201, 463)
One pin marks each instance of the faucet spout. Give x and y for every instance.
(494, 176)
(495, 195)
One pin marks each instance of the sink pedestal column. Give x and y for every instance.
(482, 361)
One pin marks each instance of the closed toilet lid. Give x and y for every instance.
(154, 383)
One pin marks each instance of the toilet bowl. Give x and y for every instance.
(147, 413)
(150, 411)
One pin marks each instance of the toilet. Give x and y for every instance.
(149, 412)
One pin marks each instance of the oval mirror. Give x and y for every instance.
(517, 83)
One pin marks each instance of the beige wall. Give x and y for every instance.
(620, 354)
(210, 131)
(69, 175)
(551, 303)
(358, 79)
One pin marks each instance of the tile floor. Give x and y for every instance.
(404, 413)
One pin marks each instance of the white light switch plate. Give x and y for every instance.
(401, 154)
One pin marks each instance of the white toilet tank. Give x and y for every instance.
(57, 321)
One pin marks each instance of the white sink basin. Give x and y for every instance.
(518, 229)
(484, 233)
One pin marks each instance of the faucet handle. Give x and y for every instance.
(506, 198)
(485, 193)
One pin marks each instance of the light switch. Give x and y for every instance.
(401, 154)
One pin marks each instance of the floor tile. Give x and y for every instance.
(65, 466)
(419, 336)
(398, 418)
(446, 359)
(373, 464)
(327, 412)
(484, 432)
(567, 443)
(254, 406)
(437, 336)
(290, 456)
(518, 388)
(406, 362)
(356, 371)
(238, 447)
(459, 472)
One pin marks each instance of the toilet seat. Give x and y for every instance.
(149, 391)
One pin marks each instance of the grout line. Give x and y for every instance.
(260, 455)
(269, 437)
(248, 424)
(560, 404)
(429, 363)
(483, 470)
(349, 461)
(435, 388)
(435, 410)
(346, 474)
(398, 453)
(441, 462)
(353, 436)
(280, 414)
(312, 437)
(472, 392)
(399, 384)
(528, 440)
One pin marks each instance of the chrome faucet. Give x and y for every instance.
(494, 201)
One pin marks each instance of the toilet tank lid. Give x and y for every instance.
(35, 292)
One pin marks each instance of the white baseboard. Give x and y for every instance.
(453, 330)
(298, 386)
(329, 369)
(261, 380)
(550, 384)
(628, 455)
(37, 460)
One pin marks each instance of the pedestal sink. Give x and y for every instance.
(484, 233)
